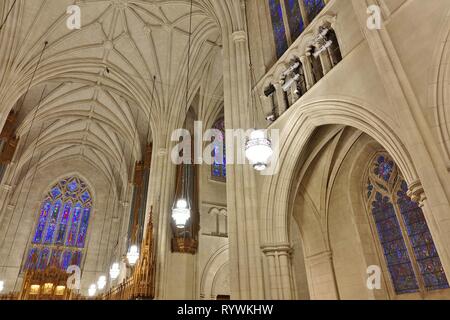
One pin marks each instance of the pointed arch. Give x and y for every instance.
(62, 225)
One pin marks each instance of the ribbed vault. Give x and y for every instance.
(92, 95)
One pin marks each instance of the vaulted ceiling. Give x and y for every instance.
(94, 97)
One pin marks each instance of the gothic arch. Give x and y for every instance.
(215, 265)
(301, 125)
(438, 83)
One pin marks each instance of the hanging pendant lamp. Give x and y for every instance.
(258, 147)
(181, 211)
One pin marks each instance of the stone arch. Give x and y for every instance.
(438, 83)
(301, 125)
(217, 264)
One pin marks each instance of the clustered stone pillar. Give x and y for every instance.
(245, 253)
(279, 271)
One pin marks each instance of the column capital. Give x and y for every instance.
(239, 36)
(416, 192)
(276, 249)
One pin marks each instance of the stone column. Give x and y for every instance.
(326, 62)
(280, 272)
(245, 254)
(282, 105)
(308, 72)
(160, 196)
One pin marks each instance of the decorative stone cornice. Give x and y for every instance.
(416, 192)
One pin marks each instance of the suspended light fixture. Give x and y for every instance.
(92, 290)
(181, 213)
(133, 255)
(114, 271)
(101, 283)
(258, 150)
(2, 285)
(258, 147)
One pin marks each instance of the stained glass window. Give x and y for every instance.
(67, 258)
(219, 168)
(62, 226)
(279, 31)
(313, 8)
(53, 221)
(394, 248)
(430, 265)
(395, 216)
(42, 221)
(74, 226)
(83, 228)
(294, 16)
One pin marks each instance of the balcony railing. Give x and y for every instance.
(310, 57)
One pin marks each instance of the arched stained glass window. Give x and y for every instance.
(289, 19)
(62, 225)
(406, 243)
(313, 8)
(279, 31)
(219, 168)
(421, 241)
(294, 17)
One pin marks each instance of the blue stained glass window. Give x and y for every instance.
(76, 258)
(384, 168)
(405, 239)
(42, 222)
(295, 20)
(421, 241)
(67, 258)
(63, 223)
(71, 238)
(43, 258)
(52, 222)
(85, 196)
(72, 186)
(55, 258)
(56, 192)
(219, 168)
(32, 259)
(394, 248)
(313, 8)
(279, 31)
(62, 226)
(83, 228)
